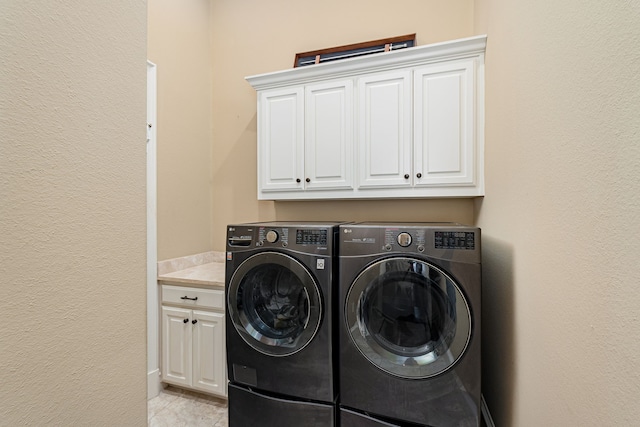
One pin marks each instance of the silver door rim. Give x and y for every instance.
(259, 342)
(427, 365)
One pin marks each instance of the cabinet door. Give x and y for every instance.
(280, 140)
(209, 353)
(329, 135)
(444, 111)
(176, 345)
(384, 129)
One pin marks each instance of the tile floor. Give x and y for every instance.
(175, 407)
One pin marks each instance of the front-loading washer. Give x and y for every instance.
(280, 294)
(409, 329)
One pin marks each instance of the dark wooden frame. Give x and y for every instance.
(370, 44)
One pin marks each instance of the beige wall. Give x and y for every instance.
(560, 216)
(180, 45)
(265, 37)
(72, 213)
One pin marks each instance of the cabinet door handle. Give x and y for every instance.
(192, 299)
(298, 180)
(419, 175)
(406, 176)
(308, 180)
(194, 321)
(185, 321)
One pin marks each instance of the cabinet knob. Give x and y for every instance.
(194, 321)
(419, 175)
(406, 176)
(298, 180)
(185, 321)
(308, 180)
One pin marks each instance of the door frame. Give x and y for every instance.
(153, 362)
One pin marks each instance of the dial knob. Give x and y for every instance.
(404, 239)
(272, 236)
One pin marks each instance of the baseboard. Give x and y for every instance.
(153, 384)
(486, 415)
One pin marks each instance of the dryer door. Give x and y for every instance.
(408, 317)
(274, 303)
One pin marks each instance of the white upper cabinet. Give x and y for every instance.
(281, 132)
(328, 142)
(444, 124)
(305, 139)
(384, 129)
(401, 124)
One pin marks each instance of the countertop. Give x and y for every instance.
(203, 270)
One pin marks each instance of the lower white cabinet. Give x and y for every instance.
(193, 339)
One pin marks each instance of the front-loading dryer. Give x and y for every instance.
(409, 324)
(280, 296)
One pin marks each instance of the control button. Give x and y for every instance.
(404, 239)
(420, 248)
(387, 247)
(272, 236)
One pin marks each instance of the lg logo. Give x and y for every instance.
(347, 230)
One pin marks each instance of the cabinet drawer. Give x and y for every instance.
(194, 297)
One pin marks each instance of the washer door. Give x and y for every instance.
(274, 303)
(408, 317)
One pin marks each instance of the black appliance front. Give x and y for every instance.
(248, 408)
(350, 418)
(279, 309)
(410, 324)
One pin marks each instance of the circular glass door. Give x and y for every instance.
(274, 303)
(408, 317)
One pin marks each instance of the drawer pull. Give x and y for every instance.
(194, 321)
(192, 299)
(185, 321)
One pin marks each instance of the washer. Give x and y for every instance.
(281, 296)
(409, 325)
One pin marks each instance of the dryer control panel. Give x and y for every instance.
(455, 240)
(430, 239)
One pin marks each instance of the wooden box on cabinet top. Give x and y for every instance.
(402, 124)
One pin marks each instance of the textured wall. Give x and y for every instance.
(265, 38)
(560, 216)
(72, 213)
(180, 45)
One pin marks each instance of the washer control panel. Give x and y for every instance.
(310, 236)
(304, 238)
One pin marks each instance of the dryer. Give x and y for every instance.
(409, 324)
(280, 320)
